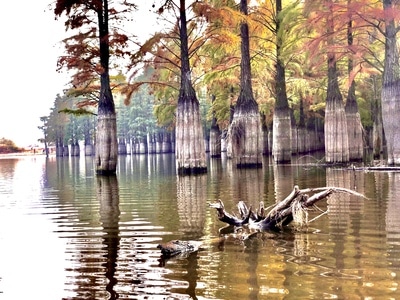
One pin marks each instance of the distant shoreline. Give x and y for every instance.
(19, 154)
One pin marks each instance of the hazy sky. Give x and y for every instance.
(30, 45)
(29, 50)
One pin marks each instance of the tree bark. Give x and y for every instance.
(106, 153)
(281, 135)
(354, 126)
(282, 128)
(215, 135)
(244, 132)
(378, 137)
(336, 135)
(190, 148)
(391, 89)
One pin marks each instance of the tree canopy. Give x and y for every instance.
(214, 54)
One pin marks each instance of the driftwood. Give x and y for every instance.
(177, 247)
(378, 168)
(294, 207)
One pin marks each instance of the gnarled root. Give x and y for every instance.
(294, 207)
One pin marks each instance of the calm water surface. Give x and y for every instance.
(68, 234)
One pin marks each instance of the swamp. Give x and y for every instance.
(68, 234)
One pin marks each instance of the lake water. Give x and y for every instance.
(68, 234)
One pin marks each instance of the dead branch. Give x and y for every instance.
(286, 202)
(229, 218)
(294, 207)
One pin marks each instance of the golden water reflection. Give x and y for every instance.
(105, 230)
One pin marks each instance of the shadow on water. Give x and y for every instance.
(190, 264)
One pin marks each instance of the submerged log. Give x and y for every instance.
(293, 207)
(176, 247)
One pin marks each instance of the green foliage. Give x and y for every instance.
(366, 116)
(67, 124)
(165, 112)
(139, 118)
(214, 43)
(77, 112)
(221, 108)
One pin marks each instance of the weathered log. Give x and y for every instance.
(176, 247)
(377, 168)
(297, 203)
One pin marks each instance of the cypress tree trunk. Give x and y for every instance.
(301, 138)
(190, 148)
(282, 129)
(354, 126)
(378, 137)
(391, 90)
(46, 147)
(65, 150)
(215, 135)
(88, 146)
(244, 137)
(59, 146)
(75, 149)
(336, 136)
(265, 135)
(122, 150)
(106, 133)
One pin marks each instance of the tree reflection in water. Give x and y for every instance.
(108, 197)
(191, 198)
(102, 233)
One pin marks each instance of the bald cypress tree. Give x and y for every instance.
(391, 86)
(172, 82)
(106, 153)
(244, 133)
(282, 128)
(189, 137)
(90, 21)
(336, 135)
(354, 126)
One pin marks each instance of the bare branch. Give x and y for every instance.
(294, 207)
